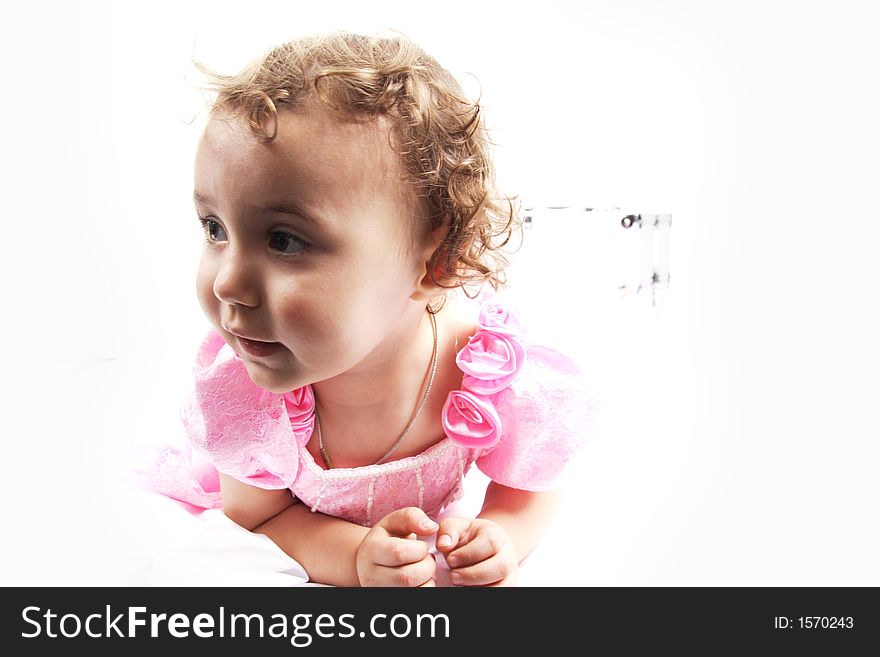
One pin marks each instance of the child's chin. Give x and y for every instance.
(263, 378)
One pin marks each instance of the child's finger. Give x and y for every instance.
(410, 575)
(431, 582)
(409, 520)
(450, 532)
(478, 549)
(481, 574)
(395, 551)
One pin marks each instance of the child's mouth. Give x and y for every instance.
(259, 349)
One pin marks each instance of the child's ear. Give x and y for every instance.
(426, 288)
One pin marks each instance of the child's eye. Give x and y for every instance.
(286, 243)
(207, 225)
(289, 240)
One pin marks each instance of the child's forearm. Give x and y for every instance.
(325, 546)
(524, 515)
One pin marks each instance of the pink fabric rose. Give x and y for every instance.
(300, 405)
(499, 318)
(490, 361)
(470, 420)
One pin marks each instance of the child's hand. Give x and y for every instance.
(390, 555)
(478, 552)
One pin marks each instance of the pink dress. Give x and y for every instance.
(522, 412)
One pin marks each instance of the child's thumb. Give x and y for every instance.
(409, 520)
(449, 533)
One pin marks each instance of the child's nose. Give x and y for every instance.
(236, 281)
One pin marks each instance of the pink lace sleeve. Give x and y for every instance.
(242, 429)
(547, 415)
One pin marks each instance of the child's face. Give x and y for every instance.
(329, 278)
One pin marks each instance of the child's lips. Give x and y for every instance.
(258, 348)
(254, 347)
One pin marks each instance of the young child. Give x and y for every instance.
(345, 187)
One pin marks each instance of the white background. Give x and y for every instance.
(743, 452)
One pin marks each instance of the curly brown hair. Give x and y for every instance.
(441, 135)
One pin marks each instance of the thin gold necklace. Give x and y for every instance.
(411, 422)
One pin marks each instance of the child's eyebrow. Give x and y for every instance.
(283, 206)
